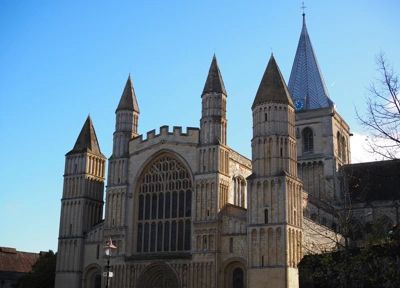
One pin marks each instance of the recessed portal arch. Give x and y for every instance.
(158, 275)
(235, 273)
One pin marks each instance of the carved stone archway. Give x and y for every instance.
(235, 273)
(92, 276)
(158, 275)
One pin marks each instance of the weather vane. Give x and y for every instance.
(303, 7)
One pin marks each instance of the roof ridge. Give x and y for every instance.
(214, 82)
(128, 98)
(272, 86)
(87, 140)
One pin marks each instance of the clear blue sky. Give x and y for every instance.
(61, 60)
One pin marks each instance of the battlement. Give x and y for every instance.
(175, 137)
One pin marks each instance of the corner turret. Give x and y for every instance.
(213, 122)
(127, 118)
(274, 218)
(87, 140)
(273, 125)
(81, 203)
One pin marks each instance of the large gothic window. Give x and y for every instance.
(164, 212)
(308, 140)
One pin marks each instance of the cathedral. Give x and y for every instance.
(185, 210)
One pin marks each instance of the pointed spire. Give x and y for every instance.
(128, 99)
(214, 82)
(272, 86)
(306, 81)
(87, 140)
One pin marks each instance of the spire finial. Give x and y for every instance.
(303, 7)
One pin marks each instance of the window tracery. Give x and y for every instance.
(164, 212)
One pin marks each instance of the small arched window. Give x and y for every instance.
(344, 148)
(308, 140)
(266, 216)
(355, 231)
(339, 145)
(239, 191)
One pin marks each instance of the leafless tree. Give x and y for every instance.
(382, 117)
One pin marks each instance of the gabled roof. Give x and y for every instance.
(272, 86)
(306, 81)
(16, 261)
(128, 99)
(214, 82)
(373, 181)
(87, 140)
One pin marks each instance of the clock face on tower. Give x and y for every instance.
(298, 104)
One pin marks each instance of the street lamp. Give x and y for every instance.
(108, 250)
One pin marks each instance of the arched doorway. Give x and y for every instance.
(97, 281)
(235, 274)
(158, 275)
(92, 276)
(237, 278)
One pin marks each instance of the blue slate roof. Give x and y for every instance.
(306, 81)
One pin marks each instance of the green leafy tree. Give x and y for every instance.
(42, 275)
(377, 264)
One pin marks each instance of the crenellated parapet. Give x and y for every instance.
(191, 137)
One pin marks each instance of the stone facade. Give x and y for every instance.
(185, 210)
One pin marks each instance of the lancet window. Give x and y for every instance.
(164, 212)
(239, 191)
(308, 140)
(341, 147)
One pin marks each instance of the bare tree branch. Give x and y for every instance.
(382, 117)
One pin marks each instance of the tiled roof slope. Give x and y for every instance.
(128, 99)
(272, 86)
(16, 261)
(306, 81)
(374, 181)
(87, 140)
(214, 82)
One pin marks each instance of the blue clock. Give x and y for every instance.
(298, 104)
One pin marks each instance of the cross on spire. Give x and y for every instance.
(303, 7)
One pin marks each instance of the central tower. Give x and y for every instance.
(274, 232)
(323, 137)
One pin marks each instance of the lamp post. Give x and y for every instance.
(108, 250)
